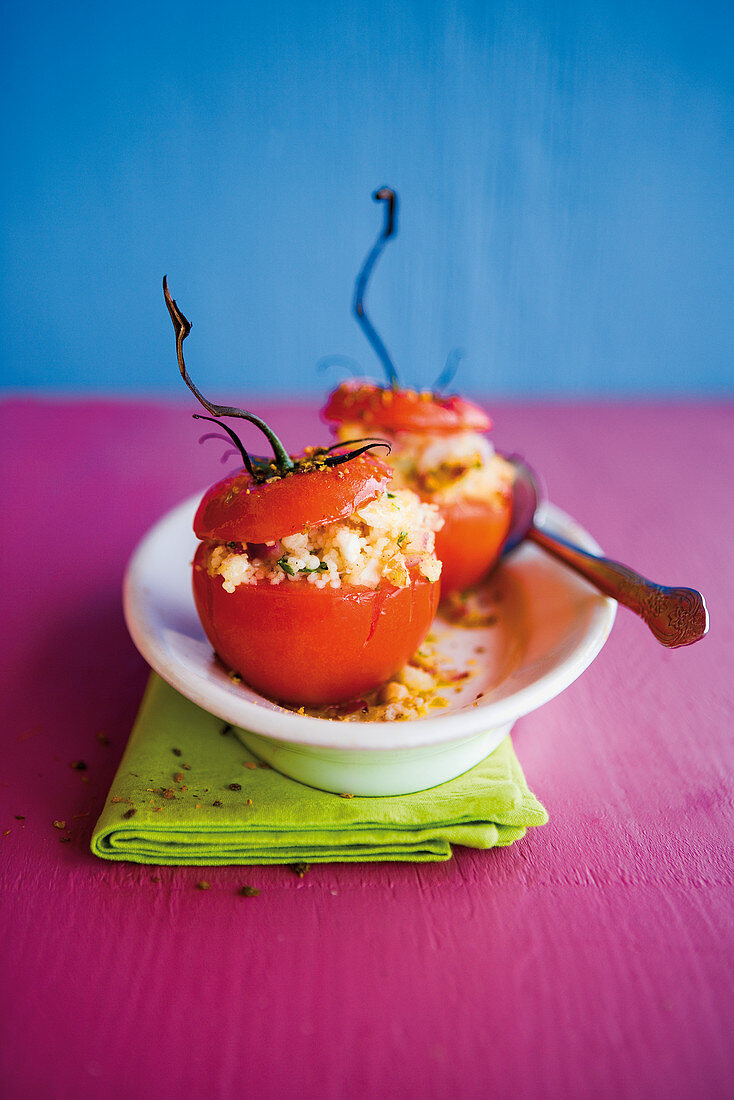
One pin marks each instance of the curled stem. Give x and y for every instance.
(388, 196)
(235, 439)
(344, 361)
(374, 439)
(182, 327)
(451, 366)
(337, 460)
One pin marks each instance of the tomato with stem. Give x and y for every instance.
(474, 527)
(295, 641)
(476, 521)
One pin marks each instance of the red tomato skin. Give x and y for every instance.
(312, 646)
(237, 509)
(382, 409)
(470, 541)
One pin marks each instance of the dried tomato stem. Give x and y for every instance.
(453, 359)
(388, 196)
(182, 327)
(337, 460)
(374, 439)
(235, 439)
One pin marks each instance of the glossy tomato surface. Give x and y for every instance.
(382, 409)
(470, 541)
(311, 646)
(238, 509)
(471, 538)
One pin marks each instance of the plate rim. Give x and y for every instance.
(285, 725)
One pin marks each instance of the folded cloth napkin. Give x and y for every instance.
(188, 792)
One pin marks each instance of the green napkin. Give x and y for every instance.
(185, 793)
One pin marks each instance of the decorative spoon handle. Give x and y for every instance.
(676, 616)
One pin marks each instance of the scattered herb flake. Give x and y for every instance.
(235, 786)
(203, 885)
(300, 869)
(248, 892)
(176, 752)
(130, 813)
(216, 802)
(59, 824)
(79, 766)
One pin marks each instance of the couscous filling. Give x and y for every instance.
(448, 467)
(383, 540)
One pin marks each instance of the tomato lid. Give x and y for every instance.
(241, 509)
(401, 410)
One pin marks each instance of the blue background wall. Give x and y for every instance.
(565, 172)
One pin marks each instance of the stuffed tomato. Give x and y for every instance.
(439, 445)
(441, 452)
(314, 580)
(309, 606)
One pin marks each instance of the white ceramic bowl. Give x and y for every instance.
(551, 624)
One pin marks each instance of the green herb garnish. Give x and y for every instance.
(283, 563)
(322, 567)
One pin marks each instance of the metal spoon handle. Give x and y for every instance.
(676, 616)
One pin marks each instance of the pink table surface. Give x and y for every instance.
(594, 958)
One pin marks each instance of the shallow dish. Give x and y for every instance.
(550, 624)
